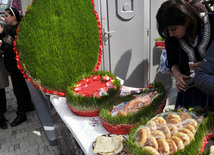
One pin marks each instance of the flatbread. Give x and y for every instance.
(108, 145)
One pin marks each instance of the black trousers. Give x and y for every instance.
(3, 102)
(20, 89)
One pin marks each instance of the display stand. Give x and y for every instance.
(41, 104)
(55, 129)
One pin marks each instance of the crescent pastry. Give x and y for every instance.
(173, 115)
(151, 141)
(141, 137)
(188, 132)
(166, 131)
(178, 142)
(152, 125)
(172, 146)
(173, 129)
(158, 134)
(151, 150)
(184, 116)
(192, 122)
(184, 137)
(159, 121)
(190, 127)
(163, 146)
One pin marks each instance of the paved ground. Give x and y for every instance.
(27, 138)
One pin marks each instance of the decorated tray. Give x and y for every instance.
(170, 133)
(86, 97)
(117, 119)
(119, 150)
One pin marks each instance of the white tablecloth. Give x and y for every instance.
(84, 129)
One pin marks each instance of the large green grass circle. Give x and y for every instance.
(58, 41)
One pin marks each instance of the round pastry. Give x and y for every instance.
(190, 127)
(191, 121)
(173, 115)
(175, 121)
(159, 121)
(184, 137)
(151, 141)
(163, 146)
(173, 129)
(172, 146)
(152, 125)
(184, 116)
(141, 137)
(166, 131)
(158, 134)
(178, 142)
(188, 132)
(147, 130)
(151, 150)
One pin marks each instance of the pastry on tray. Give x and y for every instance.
(171, 136)
(121, 113)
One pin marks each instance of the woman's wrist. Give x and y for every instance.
(175, 71)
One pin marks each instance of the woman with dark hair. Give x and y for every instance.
(19, 84)
(187, 38)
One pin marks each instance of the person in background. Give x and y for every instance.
(198, 5)
(4, 82)
(19, 84)
(187, 37)
(204, 79)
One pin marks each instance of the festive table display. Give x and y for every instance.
(60, 53)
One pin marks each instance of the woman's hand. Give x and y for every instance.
(194, 66)
(180, 83)
(179, 77)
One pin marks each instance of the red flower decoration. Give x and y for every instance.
(94, 85)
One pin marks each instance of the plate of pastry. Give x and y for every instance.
(110, 144)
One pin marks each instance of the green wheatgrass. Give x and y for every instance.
(58, 41)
